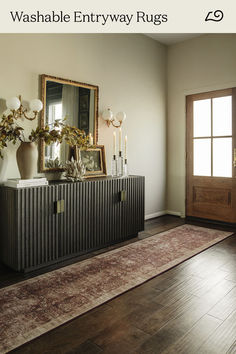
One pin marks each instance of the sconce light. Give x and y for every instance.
(107, 115)
(16, 107)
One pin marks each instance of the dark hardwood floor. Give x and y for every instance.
(189, 309)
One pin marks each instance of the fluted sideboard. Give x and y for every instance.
(49, 224)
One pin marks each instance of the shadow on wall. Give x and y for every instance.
(9, 153)
(4, 161)
(3, 107)
(3, 166)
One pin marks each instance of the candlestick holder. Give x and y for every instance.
(126, 170)
(120, 165)
(114, 166)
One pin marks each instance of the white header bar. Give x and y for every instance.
(147, 16)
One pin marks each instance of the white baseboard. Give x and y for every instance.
(172, 212)
(164, 212)
(155, 215)
(176, 213)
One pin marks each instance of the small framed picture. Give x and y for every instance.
(94, 161)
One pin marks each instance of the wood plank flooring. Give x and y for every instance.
(189, 309)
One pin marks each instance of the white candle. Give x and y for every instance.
(126, 147)
(114, 143)
(90, 139)
(120, 139)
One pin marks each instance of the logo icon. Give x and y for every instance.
(215, 16)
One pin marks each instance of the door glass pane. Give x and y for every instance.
(222, 116)
(202, 157)
(202, 118)
(222, 157)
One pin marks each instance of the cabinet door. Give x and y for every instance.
(107, 208)
(116, 220)
(76, 225)
(37, 226)
(132, 208)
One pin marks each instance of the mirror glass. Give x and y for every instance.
(78, 103)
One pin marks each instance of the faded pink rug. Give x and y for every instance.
(35, 306)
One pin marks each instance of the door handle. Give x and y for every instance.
(234, 162)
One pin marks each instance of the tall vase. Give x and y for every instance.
(26, 157)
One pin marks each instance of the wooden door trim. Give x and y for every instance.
(211, 94)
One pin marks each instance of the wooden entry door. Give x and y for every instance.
(210, 171)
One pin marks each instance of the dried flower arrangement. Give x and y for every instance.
(10, 131)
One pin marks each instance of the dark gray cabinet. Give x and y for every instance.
(97, 213)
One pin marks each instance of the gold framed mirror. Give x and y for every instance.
(75, 101)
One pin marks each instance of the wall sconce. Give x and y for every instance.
(107, 115)
(16, 107)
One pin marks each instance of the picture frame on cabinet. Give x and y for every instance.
(94, 160)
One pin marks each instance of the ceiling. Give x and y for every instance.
(172, 38)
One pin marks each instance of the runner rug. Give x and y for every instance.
(35, 306)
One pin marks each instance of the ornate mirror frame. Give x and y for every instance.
(44, 79)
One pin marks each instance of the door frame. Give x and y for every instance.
(189, 99)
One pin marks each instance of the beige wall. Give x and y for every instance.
(130, 71)
(198, 65)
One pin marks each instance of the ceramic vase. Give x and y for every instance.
(26, 157)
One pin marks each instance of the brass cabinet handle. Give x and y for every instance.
(123, 196)
(59, 206)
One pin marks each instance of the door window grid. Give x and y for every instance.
(201, 158)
